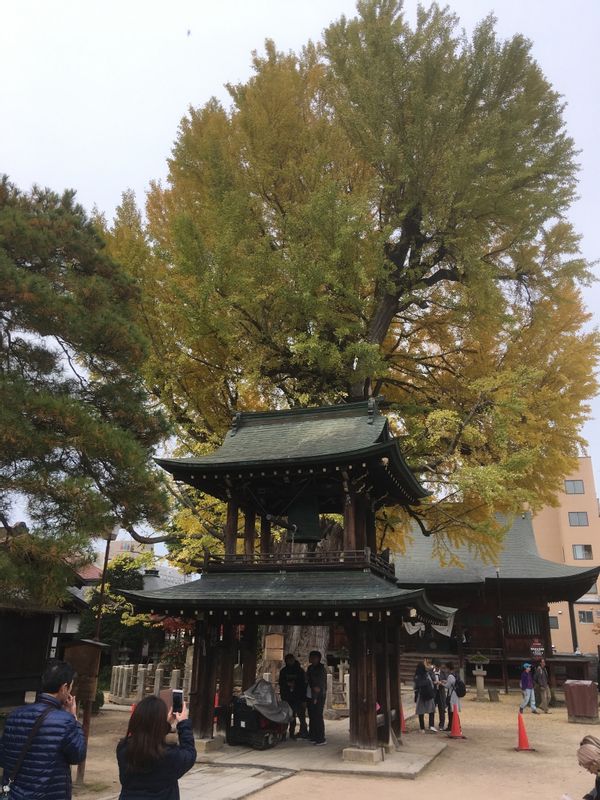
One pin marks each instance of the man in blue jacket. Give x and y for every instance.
(45, 773)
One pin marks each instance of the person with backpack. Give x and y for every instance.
(41, 741)
(424, 697)
(455, 689)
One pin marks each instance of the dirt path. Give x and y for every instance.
(483, 765)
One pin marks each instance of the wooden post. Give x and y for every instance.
(350, 522)
(370, 531)
(395, 680)
(363, 686)
(202, 701)
(361, 523)
(574, 637)
(265, 535)
(226, 664)
(384, 732)
(249, 531)
(249, 655)
(231, 527)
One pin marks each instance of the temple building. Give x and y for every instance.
(286, 469)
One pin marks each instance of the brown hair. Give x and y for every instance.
(145, 738)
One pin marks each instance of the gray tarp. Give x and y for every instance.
(261, 697)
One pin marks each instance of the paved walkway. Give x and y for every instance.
(414, 755)
(227, 783)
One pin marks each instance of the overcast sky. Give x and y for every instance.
(91, 93)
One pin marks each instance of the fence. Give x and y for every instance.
(130, 683)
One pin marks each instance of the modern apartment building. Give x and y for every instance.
(570, 534)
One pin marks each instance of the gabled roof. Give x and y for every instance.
(518, 562)
(268, 443)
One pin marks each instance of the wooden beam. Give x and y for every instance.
(231, 527)
(249, 531)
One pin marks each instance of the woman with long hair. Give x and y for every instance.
(424, 697)
(149, 767)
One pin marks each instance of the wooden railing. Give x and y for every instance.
(317, 560)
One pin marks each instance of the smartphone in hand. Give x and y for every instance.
(177, 701)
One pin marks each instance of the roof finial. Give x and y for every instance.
(235, 422)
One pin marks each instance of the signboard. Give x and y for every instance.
(537, 648)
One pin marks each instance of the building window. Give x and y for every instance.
(578, 519)
(574, 487)
(126, 548)
(586, 616)
(523, 624)
(553, 623)
(582, 552)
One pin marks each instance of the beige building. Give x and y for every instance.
(570, 534)
(119, 546)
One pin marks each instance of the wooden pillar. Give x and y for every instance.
(249, 531)
(363, 687)
(574, 637)
(395, 681)
(204, 680)
(370, 531)
(231, 527)
(361, 523)
(248, 645)
(384, 732)
(226, 663)
(265, 536)
(350, 522)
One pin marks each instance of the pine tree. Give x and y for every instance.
(76, 427)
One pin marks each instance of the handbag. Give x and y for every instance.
(32, 734)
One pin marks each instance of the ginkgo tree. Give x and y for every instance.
(384, 212)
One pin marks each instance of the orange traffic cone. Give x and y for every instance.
(456, 730)
(523, 740)
(403, 728)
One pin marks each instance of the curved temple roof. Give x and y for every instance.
(518, 562)
(323, 591)
(266, 444)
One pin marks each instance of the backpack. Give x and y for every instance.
(459, 687)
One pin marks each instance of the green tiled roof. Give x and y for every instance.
(519, 561)
(320, 590)
(329, 434)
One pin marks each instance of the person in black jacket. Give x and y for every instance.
(45, 772)
(316, 675)
(292, 688)
(149, 768)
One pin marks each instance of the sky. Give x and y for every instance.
(92, 93)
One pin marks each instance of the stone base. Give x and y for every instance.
(359, 756)
(585, 720)
(209, 745)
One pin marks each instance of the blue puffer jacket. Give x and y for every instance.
(45, 773)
